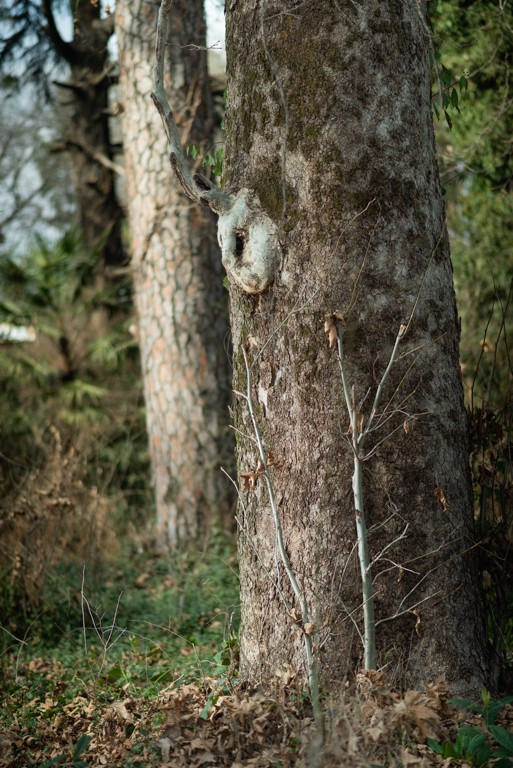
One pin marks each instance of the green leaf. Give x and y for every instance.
(445, 75)
(454, 99)
(448, 119)
(81, 745)
(114, 674)
(10, 309)
(465, 704)
(59, 760)
(446, 749)
(435, 746)
(208, 706)
(504, 738)
(493, 709)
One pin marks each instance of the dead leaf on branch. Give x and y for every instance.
(440, 495)
(286, 675)
(253, 343)
(251, 478)
(273, 461)
(330, 327)
(417, 621)
(295, 615)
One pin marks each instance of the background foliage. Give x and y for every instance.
(74, 468)
(473, 43)
(474, 40)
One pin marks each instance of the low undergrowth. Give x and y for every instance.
(53, 717)
(111, 640)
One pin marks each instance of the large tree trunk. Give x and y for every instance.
(329, 122)
(178, 278)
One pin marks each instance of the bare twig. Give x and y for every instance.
(214, 198)
(307, 620)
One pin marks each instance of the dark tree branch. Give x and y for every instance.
(219, 201)
(98, 157)
(68, 51)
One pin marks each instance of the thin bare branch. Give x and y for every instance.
(214, 198)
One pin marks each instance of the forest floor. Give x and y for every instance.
(134, 663)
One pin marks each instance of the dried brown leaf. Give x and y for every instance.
(330, 327)
(273, 461)
(285, 674)
(165, 745)
(140, 581)
(415, 708)
(251, 478)
(119, 711)
(440, 495)
(252, 343)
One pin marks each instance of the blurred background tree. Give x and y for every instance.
(474, 41)
(182, 304)
(473, 46)
(34, 49)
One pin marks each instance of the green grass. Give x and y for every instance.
(129, 627)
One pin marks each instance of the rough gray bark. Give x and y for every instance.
(178, 278)
(329, 123)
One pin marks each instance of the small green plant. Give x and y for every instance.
(450, 92)
(225, 669)
(492, 747)
(215, 161)
(471, 746)
(74, 761)
(489, 710)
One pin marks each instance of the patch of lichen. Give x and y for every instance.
(279, 201)
(306, 78)
(248, 111)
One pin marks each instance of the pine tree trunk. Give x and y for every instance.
(178, 278)
(329, 122)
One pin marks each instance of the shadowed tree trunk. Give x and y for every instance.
(329, 123)
(178, 278)
(88, 137)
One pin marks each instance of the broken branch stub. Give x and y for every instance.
(250, 248)
(248, 237)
